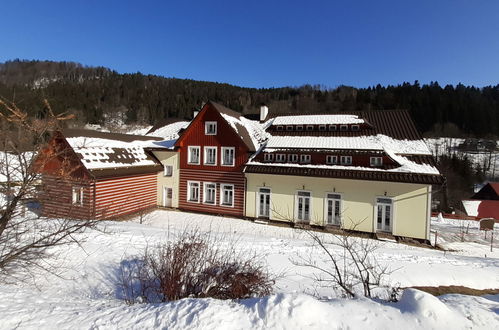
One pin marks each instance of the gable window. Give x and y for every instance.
(193, 191)
(293, 158)
(280, 127)
(331, 159)
(227, 194)
(281, 158)
(322, 127)
(376, 161)
(346, 160)
(332, 127)
(228, 156)
(167, 170)
(210, 156)
(299, 127)
(305, 158)
(268, 157)
(77, 195)
(289, 128)
(343, 127)
(310, 127)
(209, 194)
(210, 128)
(193, 155)
(355, 127)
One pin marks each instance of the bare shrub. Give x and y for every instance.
(193, 265)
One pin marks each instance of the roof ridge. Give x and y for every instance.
(81, 132)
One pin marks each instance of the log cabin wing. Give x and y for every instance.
(95, 175)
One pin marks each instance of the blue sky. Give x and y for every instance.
(264, 43)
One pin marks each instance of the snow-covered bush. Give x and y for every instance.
(194, 265)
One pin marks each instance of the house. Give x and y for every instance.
(484, 203)
(478, 145)
(95, 175)
(365, 171)
(213, 151)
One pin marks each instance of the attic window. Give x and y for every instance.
(299, 128)
(289, 128)
(280, 128)
(355, 127)
(281, 158)
(305, 158)
(210, 128)
(332, 127)
(322, 127)
(310, 127)
(331, 159)
(268, 157)
(346, 160)
(293, 158)
(376, 161)
(343, 127)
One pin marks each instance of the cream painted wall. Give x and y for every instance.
(410, 201)
(168, 158)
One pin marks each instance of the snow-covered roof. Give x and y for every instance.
(170, 131)
(369, 142)
(317, 120)
(254, 129)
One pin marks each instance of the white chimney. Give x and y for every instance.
(264, 111)
(195, 113)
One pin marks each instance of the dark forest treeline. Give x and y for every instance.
(96, 93)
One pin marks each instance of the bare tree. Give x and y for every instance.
(25, 238)
(348, 262)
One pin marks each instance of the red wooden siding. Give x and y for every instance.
(115, 197)
(225, 137)
(56, 198)
(237, 179)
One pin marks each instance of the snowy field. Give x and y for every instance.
(86, 293)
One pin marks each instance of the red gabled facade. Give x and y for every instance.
(217, 176)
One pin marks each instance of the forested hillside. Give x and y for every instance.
(96, 94)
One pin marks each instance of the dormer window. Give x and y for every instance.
(289, 128)
(299, 128)
(346, 160)
(310, 127)
(293, 158)
(343, 127)
(281, 158)
(332, 127)
(305, 159)
(322, 127)
(331, 159)
(268, 157)
(210, 128)
(355, 127)
(376, 161)
(280, 128)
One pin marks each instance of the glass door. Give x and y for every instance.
(384, 210)
(303, 206)
(264, 203)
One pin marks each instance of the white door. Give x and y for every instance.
(167, 196)
(384, 214)
(263, 203)
(303, 206)
(333, 209)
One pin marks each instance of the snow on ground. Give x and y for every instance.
(87, 293)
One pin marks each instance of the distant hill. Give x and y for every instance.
(98, 95)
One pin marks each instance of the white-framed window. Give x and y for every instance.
(299, 127)
(228, 156)
(289, 128)
(210, 128)
(268, 157)
(263, 202)
(331, 159)
(210, 156)
(355, 127)
(303, 207)
(332, 210)
(310, 127)
(346, 160)
(77, 195)
(226, 194)
(167, 170)
(343, 127)
(292, 158)
(193, 155)
(322, 127)
(280, 127)
(305, 158)
(376, 161)
(193, 191)
(384, 214)
(281, 158)
(332, 127)
(210, 193)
